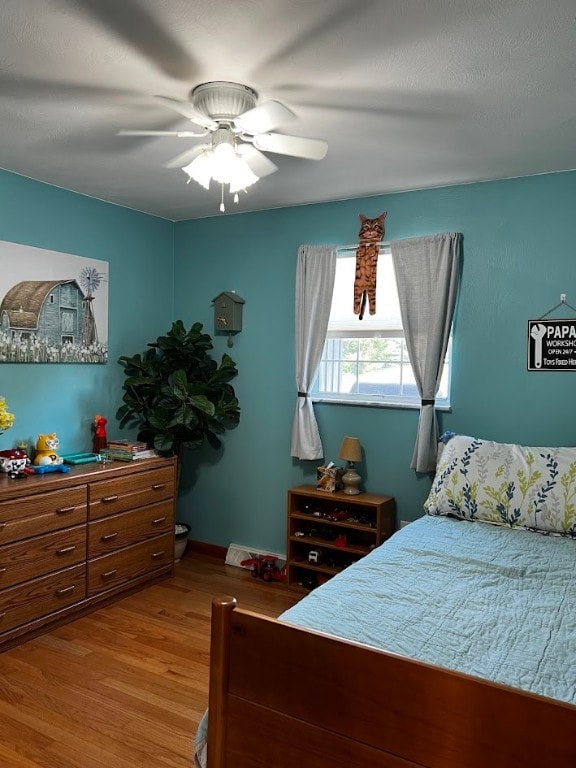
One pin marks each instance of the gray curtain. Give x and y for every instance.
(315, 272)
(427, 272)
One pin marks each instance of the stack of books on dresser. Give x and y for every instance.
(128, 450)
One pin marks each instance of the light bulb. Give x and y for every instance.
(222, 163)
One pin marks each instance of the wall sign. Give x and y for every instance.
(552, 345)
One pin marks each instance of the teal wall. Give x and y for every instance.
(65, 398)
(518, 256)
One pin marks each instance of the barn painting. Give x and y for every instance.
(57, 312)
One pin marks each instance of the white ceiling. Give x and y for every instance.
(408, 93)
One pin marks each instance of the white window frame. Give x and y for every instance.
(373, 327)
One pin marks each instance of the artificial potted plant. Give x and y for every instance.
(177, 395)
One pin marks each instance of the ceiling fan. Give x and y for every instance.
(238, 133)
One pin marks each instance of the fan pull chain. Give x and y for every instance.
(222, 207)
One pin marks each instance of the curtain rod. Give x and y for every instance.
(354, 246)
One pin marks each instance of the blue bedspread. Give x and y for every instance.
(488, 601)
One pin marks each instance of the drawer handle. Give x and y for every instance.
(159, 521)
(66, 550)
(2, 615)
(110, 574)
(109, 499)
(158, 555)
(65, 510)
(158, 486)
(109, 536)
(65, 590)
(3, 570)
(3, 525)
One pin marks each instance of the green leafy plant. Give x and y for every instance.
(176, 394)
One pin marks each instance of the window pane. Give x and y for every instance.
(367, 360)
(349, 349)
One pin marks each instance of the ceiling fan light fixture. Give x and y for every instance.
(243, 177)
(223, 165)
(241, 131)
(200, 169)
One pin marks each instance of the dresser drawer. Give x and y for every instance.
(42, 554)
(129, 563)
(72, 541)
(108, 497)
(41, 513)
(39, 597)
(117, 531)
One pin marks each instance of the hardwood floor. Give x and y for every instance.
(125, 686)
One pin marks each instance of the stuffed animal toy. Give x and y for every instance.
(369, 237)
(46, 447)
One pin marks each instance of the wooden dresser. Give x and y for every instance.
(71, 542)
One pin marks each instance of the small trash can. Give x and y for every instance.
(181, 531)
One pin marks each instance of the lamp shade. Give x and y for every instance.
(350, 450)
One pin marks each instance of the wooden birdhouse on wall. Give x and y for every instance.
(228, 312)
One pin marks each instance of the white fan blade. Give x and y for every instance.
(178, 134)
(186, 109)
(264, 118)
(257, 162)
(295, 146)
(184, 158)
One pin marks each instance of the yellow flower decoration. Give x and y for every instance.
(6, 419)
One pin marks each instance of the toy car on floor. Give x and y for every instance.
(265, 567)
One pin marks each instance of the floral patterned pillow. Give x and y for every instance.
(506, 484)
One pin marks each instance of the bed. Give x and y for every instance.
(452, 645)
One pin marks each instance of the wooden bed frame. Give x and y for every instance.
(285, 697)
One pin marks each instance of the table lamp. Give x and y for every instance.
(351, 451)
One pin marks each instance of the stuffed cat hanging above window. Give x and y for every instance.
(369, 239)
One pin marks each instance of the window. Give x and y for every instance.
(366, 361)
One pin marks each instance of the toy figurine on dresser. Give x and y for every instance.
(100, 440)
(14, 462)
(46, 450)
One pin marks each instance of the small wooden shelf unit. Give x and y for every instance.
(339, 528)
(72, 541)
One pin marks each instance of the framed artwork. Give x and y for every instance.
(53, 306)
